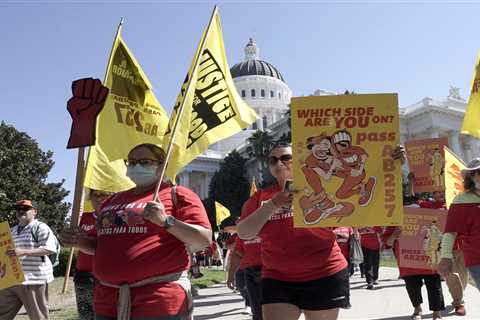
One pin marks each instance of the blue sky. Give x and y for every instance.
(414, 49)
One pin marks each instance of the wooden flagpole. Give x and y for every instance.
(77, 199)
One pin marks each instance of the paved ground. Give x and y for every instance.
(388, 301)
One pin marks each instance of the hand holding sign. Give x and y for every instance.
(89, 96)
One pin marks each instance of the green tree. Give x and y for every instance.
(259, 145)
(229, 186)
(24, 168)
(287, 137)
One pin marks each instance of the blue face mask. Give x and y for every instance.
(142, 175)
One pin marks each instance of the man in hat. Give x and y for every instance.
(34, 241)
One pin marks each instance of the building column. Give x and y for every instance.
(205, 185)
(186, 178)
(474, 147)
(467, 149)
(454, 143)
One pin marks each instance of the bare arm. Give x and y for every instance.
(75, 238)
(194, 236)
(250, 227)
(36, 252)
(233, 266)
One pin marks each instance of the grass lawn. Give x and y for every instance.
(210, 277)
(63, 306)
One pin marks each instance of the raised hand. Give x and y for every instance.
(399, 153)
(89, 96)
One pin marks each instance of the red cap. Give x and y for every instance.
(25, 202)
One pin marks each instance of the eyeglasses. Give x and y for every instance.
(23, 208)
(272, 160)
(474, 172)
(142, 162)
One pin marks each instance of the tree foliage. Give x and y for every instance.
(286, 137)
(229, 186)
(259, 145)
(24, 168)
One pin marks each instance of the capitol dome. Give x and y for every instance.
(262, 86)
(253, 66)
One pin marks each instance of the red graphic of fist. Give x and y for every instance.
(89, 96)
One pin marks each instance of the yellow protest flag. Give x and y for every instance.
(453, 176)
(11, 272)
(471, 125)
(253, 187)
(208, 107)
(131, 116)
(222, 213)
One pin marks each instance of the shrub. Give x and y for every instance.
(59, 271)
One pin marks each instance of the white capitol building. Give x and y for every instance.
(263, 87)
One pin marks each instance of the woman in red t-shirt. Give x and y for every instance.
(141, 260)
(414, 279)
(84, 278)
(463, 219)
(303, 269)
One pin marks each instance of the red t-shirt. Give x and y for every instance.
(231, 239)
(251, 253)
(464, 218)
(212, 249)
(294, 254)
(87, 224)
(403, 271)
(343, 235)
(369, 237)
(130, 249)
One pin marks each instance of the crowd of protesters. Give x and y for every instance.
(135, 252)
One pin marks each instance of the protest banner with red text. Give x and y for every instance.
(426, 160)
(341, 161)
(11, 272)
(419, 242)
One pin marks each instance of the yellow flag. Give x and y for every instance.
(222, 213)
(10, 268)
(131, 116)
(253, 187)
(213, 108)
(471, 125)
(453, 176)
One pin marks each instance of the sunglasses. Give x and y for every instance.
(23, 208)
(475, 172)
(272, 160)
(142, 162)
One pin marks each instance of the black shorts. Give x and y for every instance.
(321, 294)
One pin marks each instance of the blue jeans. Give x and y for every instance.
(475, 273)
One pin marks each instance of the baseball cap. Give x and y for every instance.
(26, 202)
